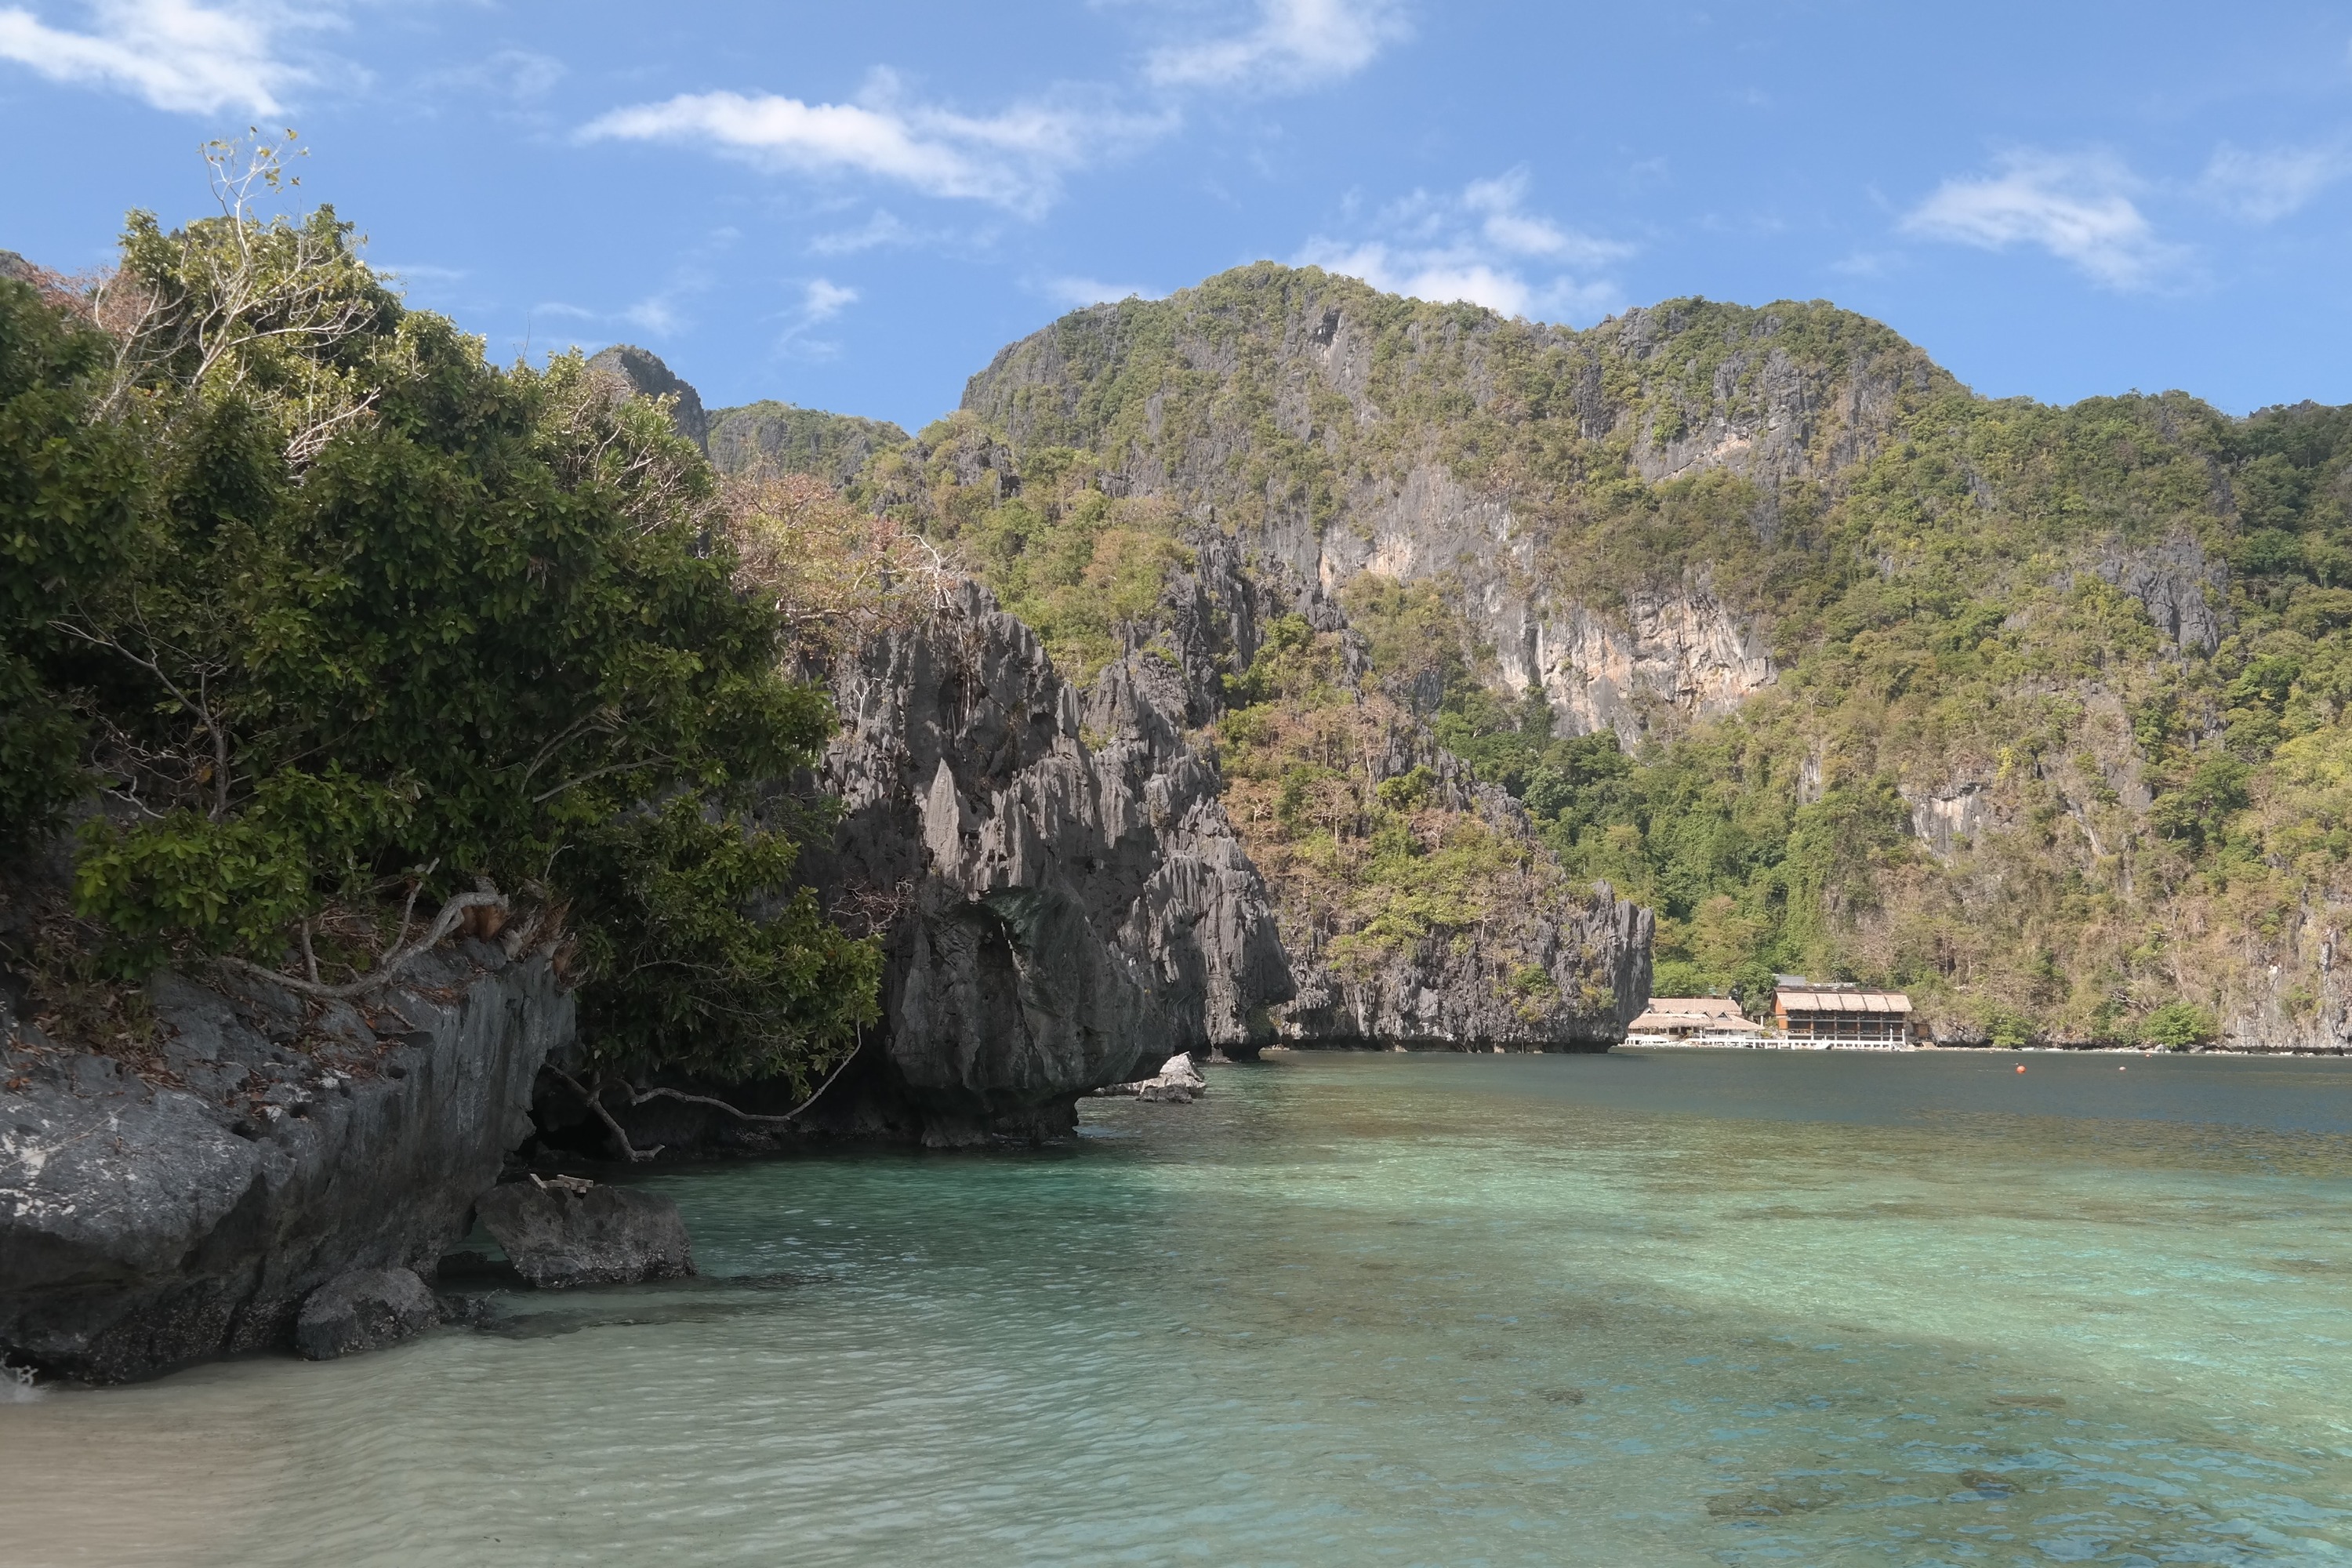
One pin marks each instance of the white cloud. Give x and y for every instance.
(2263, 187)
(1517, 232)
(1015, 159)
(822, 299)
(655, 314)
(1478, 247)
(1079, 292)
(1296, 43)
(2078, 208)
(177, 55)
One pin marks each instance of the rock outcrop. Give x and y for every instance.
(271, 1146)
(1561, 966)
(1071, 909)
(645, 375)
(2179, 586)
(1058, 892)
(1558, 965)
(571, 1232)
(1664, 654)
(1178, 1083)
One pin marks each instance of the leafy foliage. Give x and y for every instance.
(1365, 867)
(345, 609)
(70, 516)
(1085, 569)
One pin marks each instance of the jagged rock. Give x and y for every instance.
(644, 374)
(143, 1225)
(1071, 908)
(586, 1233)
(1178, 1083)
(363, 1309)
(1053, 909)
(1591, 948)
(2177, 583)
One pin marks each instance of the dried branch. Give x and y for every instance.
(389, 966)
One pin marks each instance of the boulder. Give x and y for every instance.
(1179, 1082)
(571, 1232)
(363, 1309)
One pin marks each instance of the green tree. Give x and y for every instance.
(399, 622)
(2177, 1026)
(72, 494)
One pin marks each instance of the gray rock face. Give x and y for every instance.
(143, 1225)
(1059, 894)
(1560, 967)
(1566, 967)
(1071, 909)
(566, 1233)
(646, 375)
(2177, 585)
(1670, 652)
(365, 1310)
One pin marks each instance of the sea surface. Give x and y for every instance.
(1636, 1309)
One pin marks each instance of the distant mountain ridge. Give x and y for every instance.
(2035, 711)
(1756, 613)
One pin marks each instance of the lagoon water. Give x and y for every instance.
(1640, 1309)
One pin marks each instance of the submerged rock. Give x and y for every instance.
(571, 1232)
(365, 1310)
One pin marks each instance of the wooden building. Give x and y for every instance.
(1688, 1018)
(1837, 1014)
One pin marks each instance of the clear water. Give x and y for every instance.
(1666, 1308)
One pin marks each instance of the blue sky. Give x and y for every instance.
(853, 206)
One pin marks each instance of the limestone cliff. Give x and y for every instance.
(1334, 431)
(1059, 894)
(643, 374)
(1546, 964)
(780, 438)
(1071, 910)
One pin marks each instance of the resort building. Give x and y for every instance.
(1837, 1015)
(1689, 1018)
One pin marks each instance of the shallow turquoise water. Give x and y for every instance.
(1646, 1309)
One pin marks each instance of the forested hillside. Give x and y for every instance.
(2037, 713)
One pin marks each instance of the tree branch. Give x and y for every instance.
(387, 968)
(595, 1102)
(639, 1096)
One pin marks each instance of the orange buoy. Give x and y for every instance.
(2020, 1066)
